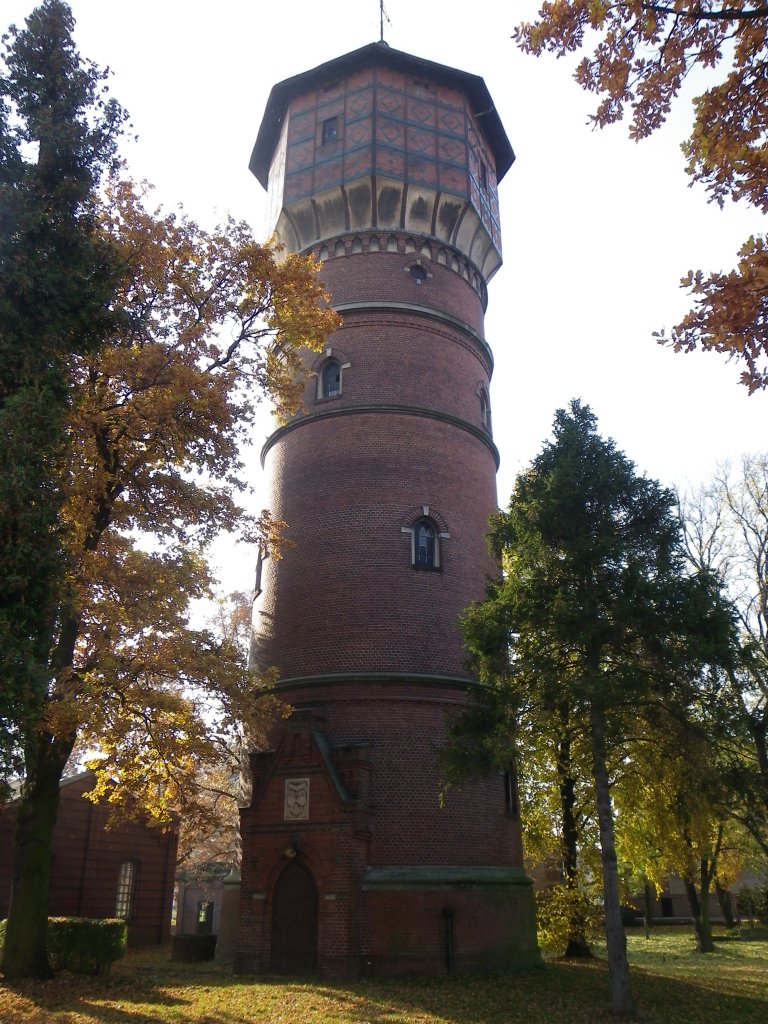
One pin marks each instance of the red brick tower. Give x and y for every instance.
(385, 167)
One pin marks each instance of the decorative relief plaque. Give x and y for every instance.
(296, 800)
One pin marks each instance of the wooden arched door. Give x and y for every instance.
(294, 921)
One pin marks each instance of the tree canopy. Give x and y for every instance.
(726, 524)
(137, 346)
(58, 137)
(642, 52)
(594, 613)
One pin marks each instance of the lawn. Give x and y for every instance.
(672, 985)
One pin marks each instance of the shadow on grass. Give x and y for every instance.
(144, 988)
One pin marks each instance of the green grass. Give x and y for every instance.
(671, 982)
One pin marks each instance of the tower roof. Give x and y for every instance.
(379, 53)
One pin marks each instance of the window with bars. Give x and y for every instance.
(126, 890)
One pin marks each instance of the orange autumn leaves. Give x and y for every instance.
(641, 54)
(208, 323)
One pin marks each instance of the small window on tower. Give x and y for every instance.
(483, 176)
(485, 409)
(426, 546)
(330, 131)
(330, 379)
(510, 792)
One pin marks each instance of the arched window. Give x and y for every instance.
(485, 409)
(426, 534)
(426, 545)
(330, 379)
(126, 890)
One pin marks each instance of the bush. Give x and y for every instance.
(630, 915)
(557, 906)
(86, 945)
(81, 944)
(752, 903)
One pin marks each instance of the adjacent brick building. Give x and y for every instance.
(385, 167)
(126, 871)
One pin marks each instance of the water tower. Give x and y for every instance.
(385, 167)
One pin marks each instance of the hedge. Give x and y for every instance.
(82, 944)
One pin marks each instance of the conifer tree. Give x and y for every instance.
(594, 609)
(58, 135)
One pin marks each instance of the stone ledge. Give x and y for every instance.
(413, 876)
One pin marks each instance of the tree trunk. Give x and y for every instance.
(706, 874)
(618, 966)
(647, 909)
(577, 945)
(726, 906)
(25, 952)
(700, 915)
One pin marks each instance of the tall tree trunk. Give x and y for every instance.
(700, 913)
(618, 966)
(25, 953)
(577, 945)
(694, 905)
(726, 906)
(706, 874)
(647, 909)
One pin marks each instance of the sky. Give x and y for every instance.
(597, 229)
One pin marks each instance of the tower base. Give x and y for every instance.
(312, 903)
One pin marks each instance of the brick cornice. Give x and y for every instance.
(414, 309)
(410, 679)
(442, 876)
(382, 410)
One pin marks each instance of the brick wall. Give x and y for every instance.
(349, 473)
(86, 864)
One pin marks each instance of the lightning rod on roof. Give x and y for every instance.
(382, 15)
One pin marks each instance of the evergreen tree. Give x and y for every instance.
(594, 611)
(58, 136)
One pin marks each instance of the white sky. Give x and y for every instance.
(597, 229)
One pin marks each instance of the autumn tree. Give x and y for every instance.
(545, 754)
(597, 611)
(642, 52)
(726, 532)
(209, 839)
(674, 796)
(134, 346)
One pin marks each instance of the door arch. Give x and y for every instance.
(294, 921)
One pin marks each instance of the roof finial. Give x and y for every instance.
(382, 15)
